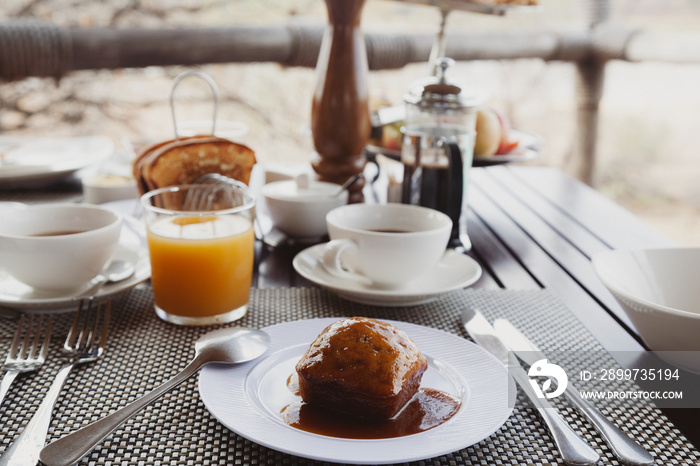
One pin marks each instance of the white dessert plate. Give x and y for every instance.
(35, 162)
(247, 398)
(132, 247)
(453, 272)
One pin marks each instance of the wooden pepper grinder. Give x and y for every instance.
(340, 115)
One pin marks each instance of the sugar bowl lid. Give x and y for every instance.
(439, 94)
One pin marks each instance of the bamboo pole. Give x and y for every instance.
(589, 91)
(45, 50)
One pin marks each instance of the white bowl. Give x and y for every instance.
(300, 210)
(101, 188)
(57, 262)
(659, 291)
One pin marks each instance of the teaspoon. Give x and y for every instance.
(350, 181)
(227, 345)
(116, 271)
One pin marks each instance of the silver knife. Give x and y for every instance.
(572, 448)
(626, 449)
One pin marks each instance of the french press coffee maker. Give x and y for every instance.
(438, 147)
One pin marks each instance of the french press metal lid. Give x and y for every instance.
(436, 94)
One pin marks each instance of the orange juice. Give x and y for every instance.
(201, 266)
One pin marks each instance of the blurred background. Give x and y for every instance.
(647, 157)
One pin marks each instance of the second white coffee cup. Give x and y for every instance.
(385, 245)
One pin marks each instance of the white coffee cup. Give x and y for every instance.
(385, 245)
(57, 247)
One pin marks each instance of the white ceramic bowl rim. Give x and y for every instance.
(95, 183)
(444, 220)
(31, 209)
(276, 190)
(617, 290)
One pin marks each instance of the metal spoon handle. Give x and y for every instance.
(69, 449)
(350, 181)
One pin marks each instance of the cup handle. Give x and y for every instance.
(331, 260)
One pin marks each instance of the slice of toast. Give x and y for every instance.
(138, 163)
(183, 161)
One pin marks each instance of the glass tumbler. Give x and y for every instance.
(201, 245)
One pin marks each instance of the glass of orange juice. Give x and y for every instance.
(201, 245)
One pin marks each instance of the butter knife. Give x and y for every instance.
(572, 448)
(626, 449)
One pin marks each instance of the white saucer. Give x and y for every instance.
(132, 248)
(247, 398)
(453, 272)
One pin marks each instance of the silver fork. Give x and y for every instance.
(84, 343)
(26, 353)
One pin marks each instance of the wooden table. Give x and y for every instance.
(536, 228)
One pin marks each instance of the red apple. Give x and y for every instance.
(391, 136)
(506, 144)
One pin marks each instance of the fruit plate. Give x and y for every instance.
(529, 147)
(498, 8)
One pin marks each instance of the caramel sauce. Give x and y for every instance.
(427, 409)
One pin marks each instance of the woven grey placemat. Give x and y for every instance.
(143, 352)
